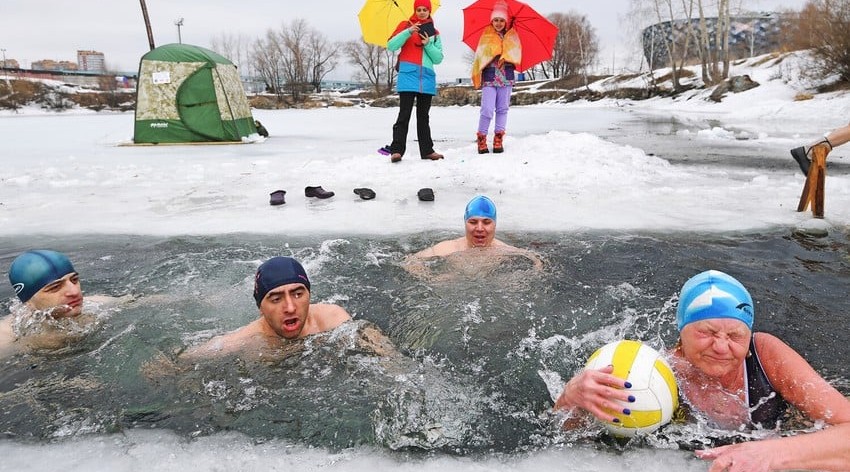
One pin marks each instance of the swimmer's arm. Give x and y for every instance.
(105, 300)
(415, 263)
(376, 341)
(799, 383)
(827, 449)
(530, 255)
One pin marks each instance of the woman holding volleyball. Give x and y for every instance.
(736, 379)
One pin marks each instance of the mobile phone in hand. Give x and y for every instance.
(427, 28)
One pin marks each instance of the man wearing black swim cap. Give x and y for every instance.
(282, 294)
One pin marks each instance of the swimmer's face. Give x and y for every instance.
(480, 231)
(63, 297)
(716, 346)
(285, 309)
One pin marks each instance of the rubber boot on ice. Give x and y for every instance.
(497, 142)
(482, 144)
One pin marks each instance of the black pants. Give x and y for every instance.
(423, 126)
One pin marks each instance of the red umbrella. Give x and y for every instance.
(536, 33)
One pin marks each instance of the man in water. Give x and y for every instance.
(282, 293)
(52, 314)
(480, 223)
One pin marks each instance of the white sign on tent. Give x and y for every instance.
(161, 77)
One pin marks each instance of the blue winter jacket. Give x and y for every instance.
(416, 63)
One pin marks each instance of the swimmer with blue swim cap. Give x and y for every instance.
(45, 279)
(46, 283)
(735, 379)
(282, 294)
(479, 219)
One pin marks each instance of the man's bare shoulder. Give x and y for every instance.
(328, 316)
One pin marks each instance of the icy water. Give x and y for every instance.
(479, 347)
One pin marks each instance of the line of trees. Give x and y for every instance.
(824, 27)
(295, 58)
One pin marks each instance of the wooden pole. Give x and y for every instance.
(813, 190)
(147, 24)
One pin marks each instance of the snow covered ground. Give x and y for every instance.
(69, 173)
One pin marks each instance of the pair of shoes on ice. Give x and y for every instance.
(317, 192)
(434, 156)
(278, 197)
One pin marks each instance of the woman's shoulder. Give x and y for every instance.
(767, 343)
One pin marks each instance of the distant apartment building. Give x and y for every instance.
(50, 64)
(91, 61)
(749, 35)
(10, 64)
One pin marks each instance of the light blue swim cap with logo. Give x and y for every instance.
(32, 270)
(481, 207)
(714, 294)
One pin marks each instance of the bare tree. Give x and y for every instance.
(237, 49)
(321, 58)
(824, 26)
(370, 61)
(390, 72)
(714, 46)
(296, 58)
(292, 39)
(267, 59)
(576, 46)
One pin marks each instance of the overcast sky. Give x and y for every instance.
(31, 30)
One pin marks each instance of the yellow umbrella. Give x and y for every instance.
(379, 18)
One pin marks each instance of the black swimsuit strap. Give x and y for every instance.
(766, 404)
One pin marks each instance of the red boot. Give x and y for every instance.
(497, 142)
(482, 144)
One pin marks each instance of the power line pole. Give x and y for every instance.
(179, 23)
(147, 24)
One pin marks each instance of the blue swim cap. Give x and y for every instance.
(275, 272)
(714, 294)
(32, 270)
(480, 206)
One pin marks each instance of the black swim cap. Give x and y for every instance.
(275, 272)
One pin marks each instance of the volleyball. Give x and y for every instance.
(653, 386)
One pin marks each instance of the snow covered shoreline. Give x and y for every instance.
(66, 174)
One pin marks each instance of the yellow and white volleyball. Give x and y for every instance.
(653, 386)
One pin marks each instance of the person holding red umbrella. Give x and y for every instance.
(421, 48)
(493, 71)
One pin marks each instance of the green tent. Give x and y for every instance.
(188, 94)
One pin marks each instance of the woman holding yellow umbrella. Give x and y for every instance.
(421, 48)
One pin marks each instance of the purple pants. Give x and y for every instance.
(494, 99)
